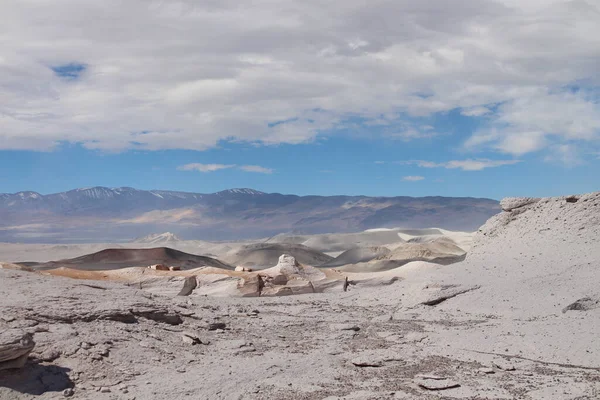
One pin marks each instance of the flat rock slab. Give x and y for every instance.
(511, 203)
(503, 365)
(432, 382)
(367, 362)
(448, 293)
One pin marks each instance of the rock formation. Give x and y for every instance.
(15, 346)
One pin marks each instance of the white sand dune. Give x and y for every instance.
(334, 242)
(357, 255)
(433, 248)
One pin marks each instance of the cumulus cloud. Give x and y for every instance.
(152, 75)
(413, 178)
(204, 167)
(465, 165)
(257, 169)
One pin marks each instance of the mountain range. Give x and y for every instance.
(112, 214)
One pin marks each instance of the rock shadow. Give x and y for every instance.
(36, 379)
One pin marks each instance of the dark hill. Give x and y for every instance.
(121, 258)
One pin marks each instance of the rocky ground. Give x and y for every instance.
(518, 319)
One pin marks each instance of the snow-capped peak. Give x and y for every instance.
(29, 195)
(158, 238)
(241, 191)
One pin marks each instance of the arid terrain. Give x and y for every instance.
(511, 312)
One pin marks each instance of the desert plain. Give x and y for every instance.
(511, 311)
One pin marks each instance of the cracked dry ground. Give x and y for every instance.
(107, 341)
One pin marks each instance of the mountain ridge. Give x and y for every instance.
(106, 214)
(249, 191)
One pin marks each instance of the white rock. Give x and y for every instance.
(511, 203)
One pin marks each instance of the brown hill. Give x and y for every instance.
(121, 258)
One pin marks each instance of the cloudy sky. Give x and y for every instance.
(463, 97)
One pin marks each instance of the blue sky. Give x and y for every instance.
(338, 165)
(434, 99)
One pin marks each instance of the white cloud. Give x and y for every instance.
(465, 165)
(216, 167)
(257, 169)
(413, 178)
(204, 167)
(565, 154)
(188, 74)
(476, 111)
(536, 120)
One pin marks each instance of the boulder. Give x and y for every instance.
(250, 286)
(189, 284)
(15, 346)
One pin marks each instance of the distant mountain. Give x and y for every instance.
(158, 238)
(110, 214)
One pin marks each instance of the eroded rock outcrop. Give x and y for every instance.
(15, 346)
(512, 203)
(288, 277)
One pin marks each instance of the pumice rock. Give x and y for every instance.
(15, 346)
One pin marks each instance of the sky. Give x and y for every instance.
(474, 98)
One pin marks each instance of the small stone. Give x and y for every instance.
(49, 355)
(189, 340)
(487, 370)
(503, 365)
(104, 389)
(367, 362)
(68, 392)
(346, 327)
(216, 325)
(85, 345)
(248, 349)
